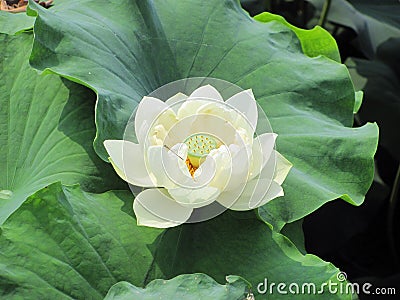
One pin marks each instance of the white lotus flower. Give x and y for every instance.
(194, 150)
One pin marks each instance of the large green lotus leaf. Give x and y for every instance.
(294, 232)
(11, 23)
(185, 287)
(309, 100)
(239, 243)
(314, 42)
(46, 129)
(64, 243)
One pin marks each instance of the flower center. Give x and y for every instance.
(199, 146)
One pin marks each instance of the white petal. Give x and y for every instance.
(214, 126)
(176, 101)
(243, 136)
(175, 165)
(194, 198)
(223, 164)
(128, 161)
(206, 172)
(247, 105)
(275, 190)
(227, 113)
(201, 96)
(206, 92)
(232, 167)
(276, 168)
(229, 198)
(156, 166)
(219, 109)
(282, 168)
(268, 170)
(148, 111)
(189, 108)
(256, 193)
(263, 146)
(167, 166)
(178, 132)
(240, 169)
(154, 208)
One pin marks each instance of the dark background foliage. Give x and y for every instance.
(362, 241)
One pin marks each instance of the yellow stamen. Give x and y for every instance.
(191, 168)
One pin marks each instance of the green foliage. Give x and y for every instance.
(15, 23)
(218, 245)
(185, 287)
(314, 42)
(46, 130)
(309, 101)
(63, 243)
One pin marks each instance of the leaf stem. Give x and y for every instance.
(392, 206)
(324, 13)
